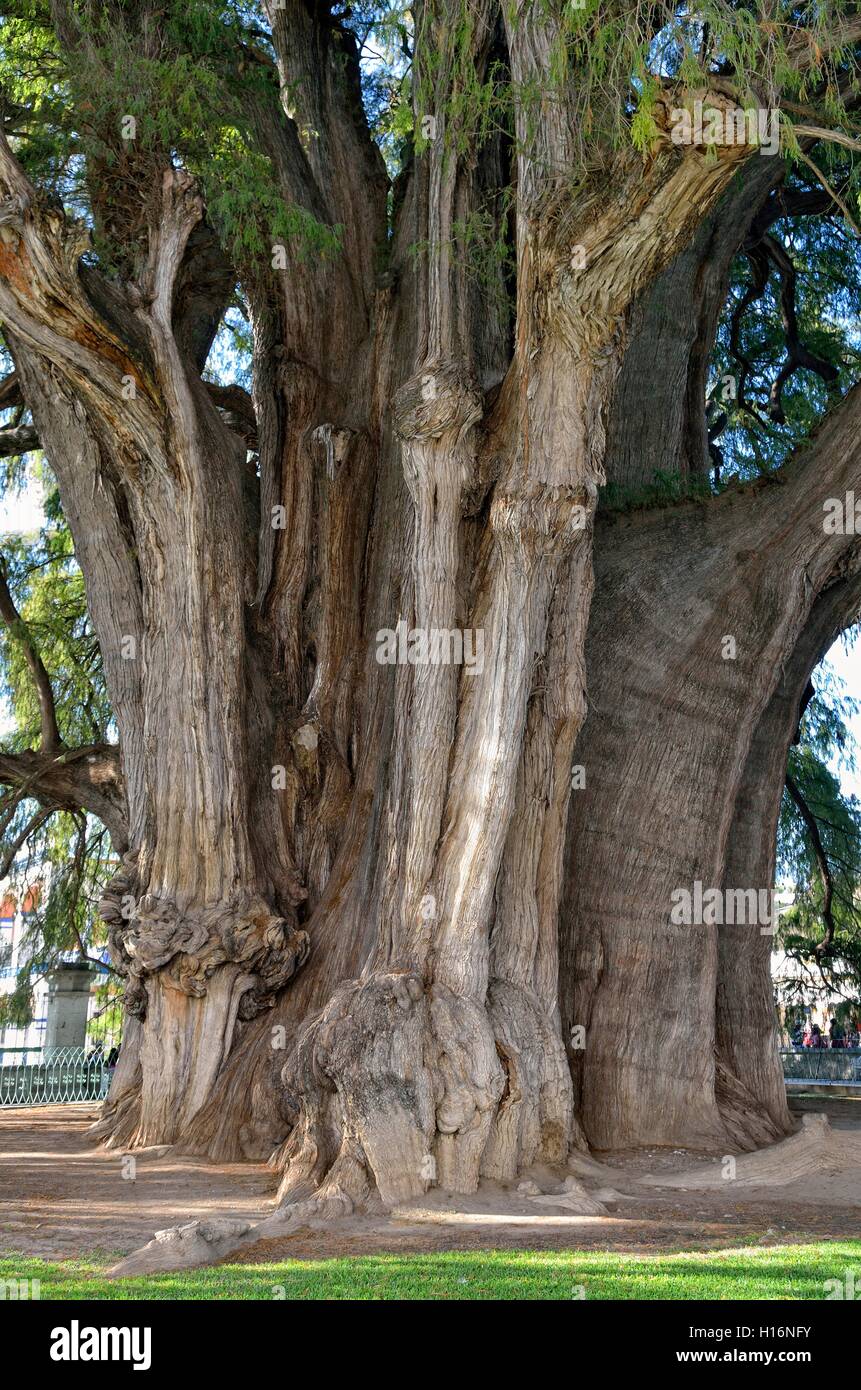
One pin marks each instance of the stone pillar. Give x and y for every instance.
(68, 1002)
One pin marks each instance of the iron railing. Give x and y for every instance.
(34, 1076)
(822, 1066)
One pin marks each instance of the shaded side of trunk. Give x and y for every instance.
(750, 1082)
(658, 421)
(696, 611)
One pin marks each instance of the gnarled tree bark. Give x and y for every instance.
(340, 894)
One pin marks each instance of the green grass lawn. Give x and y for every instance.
(769, 1272)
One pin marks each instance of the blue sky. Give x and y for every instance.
(845, 661)
(21, 511)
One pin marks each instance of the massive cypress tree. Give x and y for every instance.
(363, 918)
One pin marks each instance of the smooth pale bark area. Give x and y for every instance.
(673, 715)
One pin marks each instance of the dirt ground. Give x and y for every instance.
(61, 1198)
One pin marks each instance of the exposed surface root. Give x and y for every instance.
(184, 1247)
(197, 1243)
(816, 1148)
(572, 1197)
(65, 1199)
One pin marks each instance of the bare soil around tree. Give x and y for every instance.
(63, 1199)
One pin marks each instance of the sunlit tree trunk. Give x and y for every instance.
(338, 905)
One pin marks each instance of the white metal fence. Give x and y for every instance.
(822, 1066)
(34, 1076)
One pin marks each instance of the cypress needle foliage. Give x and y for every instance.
(825, 738)
(613, 63)
(127, 92)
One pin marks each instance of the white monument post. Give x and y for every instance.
(68, 1004)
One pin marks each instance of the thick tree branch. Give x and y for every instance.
(10, 392)
(204, 285)
(18, 440)
(835, 137)
(237, 409)
(790, 202)
(70, 779)
(676, 320)
(45, 303)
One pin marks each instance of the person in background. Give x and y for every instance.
(836, 1034)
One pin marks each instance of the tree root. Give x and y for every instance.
(198, 1243)
(811, 1150)
(396, 1078)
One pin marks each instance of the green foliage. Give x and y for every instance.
(751, 342)
(70, 858)
(383, 34)
(825, 739)
(48, 588)
(611, 64)
(644, 129)
(66, 853)
(665, 490)
(244, 205)
(138, 93)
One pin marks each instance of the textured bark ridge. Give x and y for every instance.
(444, 1061)
(680, 1033)
(195, 915)
(338, 908)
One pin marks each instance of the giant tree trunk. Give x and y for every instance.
(695, 733)
(339, 900)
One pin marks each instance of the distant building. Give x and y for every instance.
(17, 905)
(15, 913)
